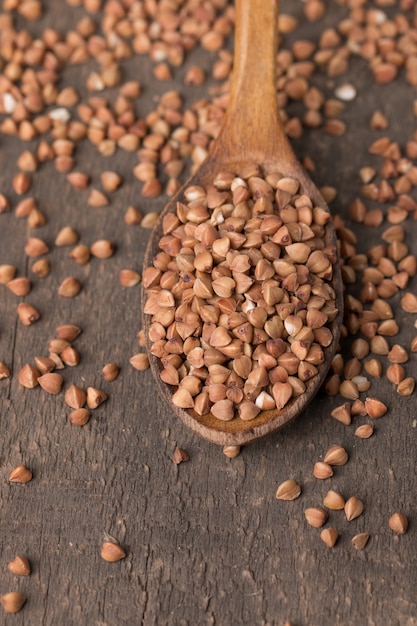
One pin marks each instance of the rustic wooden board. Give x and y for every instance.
(207, 542)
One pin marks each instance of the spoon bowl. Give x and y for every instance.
(251, 133)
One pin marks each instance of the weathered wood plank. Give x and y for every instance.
(206, 541)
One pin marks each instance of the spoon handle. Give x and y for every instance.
(252, 126)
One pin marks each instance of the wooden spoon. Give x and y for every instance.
(251, 132)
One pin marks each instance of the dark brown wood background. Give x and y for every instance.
(206, 541)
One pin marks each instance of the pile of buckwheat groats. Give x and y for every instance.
(240, 296)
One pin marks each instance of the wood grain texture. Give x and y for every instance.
(207, 542)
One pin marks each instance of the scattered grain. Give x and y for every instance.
(80, 254)
(336, 455)
(7, 273)
(288, 490)
(51, 382)
(406, 386)
(110, 181)
(66, 237)
(360, 540)
(112, 552)
(342, 413)
(353, 508)
(41, 268)
(129, 278)
(375, 408)
(4, 371)
(179, 456)
(20, 474)
(315, 517)
(329, 536)
(13, 601)
(97, 198)
(36, 247)
(20, 286)
(398, 522)
(79, 417)
(28, 315)
(149, 220)
(231, 451)
(334, 501)
(75, 397)
(322, 470)
(102, 249)
(140, 361)
(365, 431)
(69, 287)
(20, 566)
(110, 371)
(95, 397)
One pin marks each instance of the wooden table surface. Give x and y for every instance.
(207, 542)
